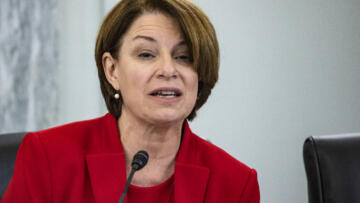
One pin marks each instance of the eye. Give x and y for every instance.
(184, 57)
(145, 55)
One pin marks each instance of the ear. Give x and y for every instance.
(111, 70)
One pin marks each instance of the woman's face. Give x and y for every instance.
(154, 71)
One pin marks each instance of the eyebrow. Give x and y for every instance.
(181, 43)
(147, 38)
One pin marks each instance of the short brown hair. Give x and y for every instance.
(198, 32)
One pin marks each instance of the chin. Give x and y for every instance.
(167, 118)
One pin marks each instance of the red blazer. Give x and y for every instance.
(85, 162)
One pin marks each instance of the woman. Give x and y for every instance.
(157, 62)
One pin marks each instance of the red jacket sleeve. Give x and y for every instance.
(31, 178)
(251, 193)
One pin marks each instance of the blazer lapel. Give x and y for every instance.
(190, 183)
(107, 176)
(191, 177)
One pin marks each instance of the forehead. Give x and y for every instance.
(155, 23)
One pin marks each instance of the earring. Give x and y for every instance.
(117, 96)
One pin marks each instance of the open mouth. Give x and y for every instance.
(166, 93)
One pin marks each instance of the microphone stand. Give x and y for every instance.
(139, 161)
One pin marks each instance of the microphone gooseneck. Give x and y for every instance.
(139, 161)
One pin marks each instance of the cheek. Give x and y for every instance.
(132, 81)
(139, 78)
(192, 84)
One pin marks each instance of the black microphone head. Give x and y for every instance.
(140, 160)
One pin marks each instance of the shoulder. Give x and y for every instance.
(69, 138)
(218, 160)
(226, 172)
(77, 128)
(71, 131)
(195, 149)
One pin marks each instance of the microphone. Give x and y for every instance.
(139, 161)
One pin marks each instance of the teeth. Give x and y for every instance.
(166, 93)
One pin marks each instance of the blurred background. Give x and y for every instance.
(289, 69)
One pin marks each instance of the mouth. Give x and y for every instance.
(166, 93)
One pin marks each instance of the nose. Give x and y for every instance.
(167, 68)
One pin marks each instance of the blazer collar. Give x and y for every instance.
(107, 168)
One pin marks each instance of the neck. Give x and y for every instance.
(160, 141)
